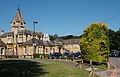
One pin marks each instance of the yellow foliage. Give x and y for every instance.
(94, 42)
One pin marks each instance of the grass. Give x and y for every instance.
(58, 70)
(27, 68)
(20, 68)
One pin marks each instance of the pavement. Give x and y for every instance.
(116, 62)
(105, 73)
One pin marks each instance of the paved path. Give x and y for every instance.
(116, 61)
(104, 73)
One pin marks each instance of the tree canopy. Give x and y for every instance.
(94, 43)
(53, 37)
(114, 37)
(118, 39)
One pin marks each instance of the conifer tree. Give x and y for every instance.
(95, 43)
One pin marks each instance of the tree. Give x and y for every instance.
(53, 37)
(94, 43)
(118, 39)
(113, 39)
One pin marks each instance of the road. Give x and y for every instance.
(116, 62)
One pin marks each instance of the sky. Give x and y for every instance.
(62, 17)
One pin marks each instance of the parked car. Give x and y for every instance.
(55, 55)
(77, 55)
(113, 54)
(65, 55)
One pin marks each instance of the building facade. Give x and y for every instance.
(71, 45)
(20, 41)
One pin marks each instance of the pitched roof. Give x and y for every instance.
(2, 44)
(48, 43)
(58, 41)
(18, 16)
(6, 34)
(71, 41)
(34, 41)
(28, 32)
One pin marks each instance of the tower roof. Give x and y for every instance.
(18, 16)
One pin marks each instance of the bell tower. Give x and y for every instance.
(17, 24)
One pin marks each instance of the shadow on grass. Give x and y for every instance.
(21, 68)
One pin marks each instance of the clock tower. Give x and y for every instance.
(17, 24)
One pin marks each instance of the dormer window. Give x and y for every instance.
(9, 38)
(20, 38)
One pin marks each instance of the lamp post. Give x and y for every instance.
(34, 28)
(34, 44)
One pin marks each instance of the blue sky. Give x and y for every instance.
(62, 17)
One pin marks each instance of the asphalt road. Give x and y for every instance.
(116, 62)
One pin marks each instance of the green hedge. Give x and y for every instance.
(38, 55)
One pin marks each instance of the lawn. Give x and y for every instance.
(20, 68)
(59, 70)
(27, 68)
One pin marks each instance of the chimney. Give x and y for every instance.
(2, 32)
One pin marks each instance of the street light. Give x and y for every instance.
(34, 44)
(34, 28)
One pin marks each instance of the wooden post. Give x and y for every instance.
(81, 64)
(91, 68)
(108, 65)
(90, 62)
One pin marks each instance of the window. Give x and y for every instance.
(9, 38)
(77, 46)
(46, 50)
(53, 50)
(25, 50)
(40, 50)
(20, 38)
(9, 51)
(2, 51)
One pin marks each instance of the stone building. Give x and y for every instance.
(2, 48)
(20, 41)
(71, 45)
